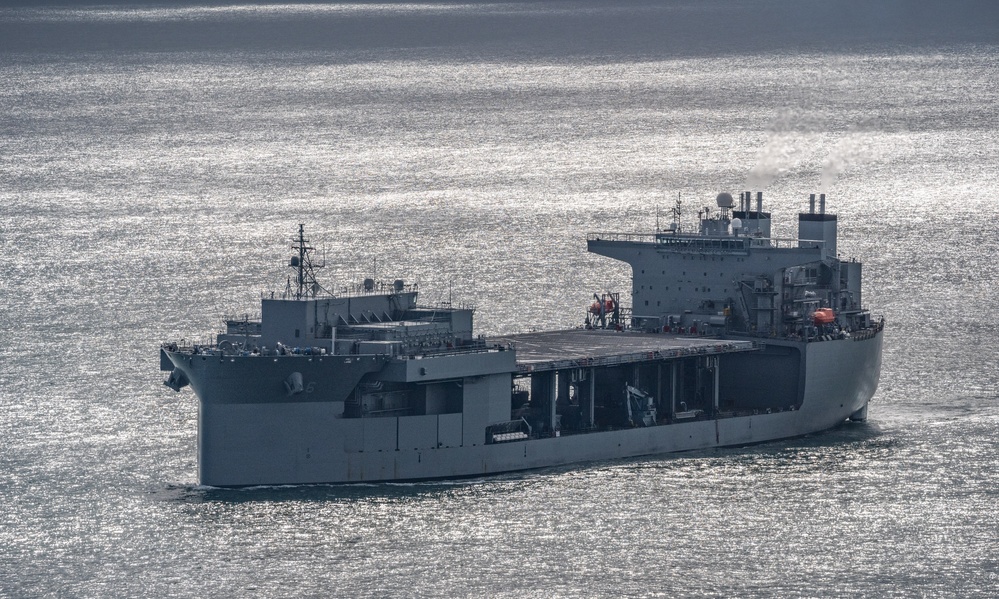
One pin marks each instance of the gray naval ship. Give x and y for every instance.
(734, 337)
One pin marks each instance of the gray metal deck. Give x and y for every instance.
(581, 348)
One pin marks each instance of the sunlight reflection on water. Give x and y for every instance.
(146, 192)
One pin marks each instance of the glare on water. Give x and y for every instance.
(156, 160)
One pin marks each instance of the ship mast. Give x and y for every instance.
(305, 268)
(677, 211)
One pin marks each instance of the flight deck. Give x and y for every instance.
(580, 348)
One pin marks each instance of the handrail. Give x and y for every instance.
(681, 241)
(639, 237)
(358, 290)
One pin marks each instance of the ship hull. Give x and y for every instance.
(246, 439)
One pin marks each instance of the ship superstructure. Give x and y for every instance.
(734, 337)
(732, 276)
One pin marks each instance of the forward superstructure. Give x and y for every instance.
(734, 337)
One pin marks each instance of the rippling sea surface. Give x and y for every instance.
(155, 160)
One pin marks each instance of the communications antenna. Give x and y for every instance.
(305, 267)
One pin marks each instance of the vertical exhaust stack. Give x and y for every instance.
(754, 223)
(817, 226)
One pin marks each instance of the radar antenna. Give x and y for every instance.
(305, 267)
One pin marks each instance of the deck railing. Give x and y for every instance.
(703, 243)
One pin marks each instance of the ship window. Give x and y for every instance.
(646, 302)
(296, 333)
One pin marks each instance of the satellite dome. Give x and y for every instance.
(725, 200)
(736, 223)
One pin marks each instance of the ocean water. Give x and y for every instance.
(156, 158)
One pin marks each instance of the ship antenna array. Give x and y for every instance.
(308, 286)
(677, 211)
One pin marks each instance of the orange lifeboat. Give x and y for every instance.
(824, 316)
(608, 306)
